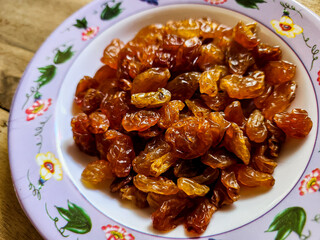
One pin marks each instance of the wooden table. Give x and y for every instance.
(24, 25)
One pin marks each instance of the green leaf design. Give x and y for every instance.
(250, 3)
(47, 74)
(290, 219)
(63, 56)
(111, 12)
(81, 23)
(78, 220)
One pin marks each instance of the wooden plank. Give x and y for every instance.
(13, 61)
(13, 222)
(27, 23)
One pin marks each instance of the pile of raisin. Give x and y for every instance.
(184, 115)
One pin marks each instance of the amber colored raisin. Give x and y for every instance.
(169, 113)
(191, 187)
(264, 53)
(208, 82)
(197, 107)
(253, 178)
(256, 129)
(210, 55)
(279, 99)
(158, 185)
(91, 101)
(234, 113)
(155, 200)
(133, 194)
(207, 177)
(99, 123)
(276, 138)
(187, 168)
(106, 77)
(239, 58)
(220, 195)
(219, 119)
(217, 103)
(151, 99)
(261, 163)
(151, 132)
(115, 106)
(207, 28)
(140, 120)
(150, 80)
(155, 149)
(219, 158)
(168, 216)
(279, 72)
(85, 142)
(198, 220)
(188, 54)
(296, 124)
(110, 53)
(184, 86)
(191, 137)
(187, 28)
(80, 123)
(259, 101)
(84, 84)
(241, 87)
(102, 145)
(97, 171)
(245, 35)
(235, 142)
(120, 153)
(119, 183)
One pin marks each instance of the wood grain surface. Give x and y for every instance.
(24, 25)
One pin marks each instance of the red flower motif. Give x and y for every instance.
(90, 32)
(37, 109)
(216, 1)
(318, 79)
(116, 233)
(310, 183)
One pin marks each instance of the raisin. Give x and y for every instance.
(210, 55)
(120, 153)
(208, 82)
(256, 129)
(241, 87)
(278, 72)
(119, 183)
(140, 120)
(184, 86)
(133, 194)
(234, 113)
(197, 108)
(245, 35)
(187, 28)
(207, 177)
(80, 123)
(150, 80)
(96, 172)
(198, 220)
(276, 138)
(264, 53)
(235, 142)
(296, 124)
(191, 187)
(279, 99)
(219, 158)
(110, 53)
(158, 185)
(91, 100)
(115, 106)
(151, 99)
(84, 84)
(261, 163)
(253, 178)
(192, 137)
(169, 113)
(217, 103)
(239, 58)
(99, 123)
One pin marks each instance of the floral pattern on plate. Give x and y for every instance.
(39, 100)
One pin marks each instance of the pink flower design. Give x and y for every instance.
(116, 233)
(310, 183)
(90, 32)
(37, 109)
(216, 1)
(318, 79)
